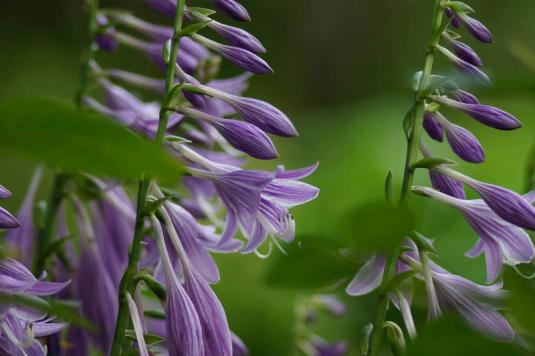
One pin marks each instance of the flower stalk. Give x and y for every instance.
(128, 282)
(413, 139)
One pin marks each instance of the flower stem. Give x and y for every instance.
(413, 140)
(56, 196)
(128, 281)
(89, 51)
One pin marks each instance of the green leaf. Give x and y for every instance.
(151, 207)
(201, 10)
(150, 339)
(458, 6)
(398, 279)
(311, 262)
(192, 29)
(431, 162)
(520, 299)
(408, 122)
(54, 132)
(450, 336)
(375, 226)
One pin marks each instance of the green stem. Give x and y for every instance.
(88, 52)
(411, 158)
(128, 281)
(45, 233)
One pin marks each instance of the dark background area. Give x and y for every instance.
(342, 73)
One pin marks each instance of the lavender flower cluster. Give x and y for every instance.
(211, 129)
(499, 217)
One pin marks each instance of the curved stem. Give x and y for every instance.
(89, 51)
(413, 140)
(128, 282)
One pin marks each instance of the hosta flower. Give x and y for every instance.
(462, 142)
(463, 51)
(7, 220)
(244, 136)
(241, 57)
(19, 327)
(432, 126)
(21, 238)
(257, 112)
(233, 9)
(485, 114)
(473, 302)
(463, 65)
(501, 241)
(476, 28)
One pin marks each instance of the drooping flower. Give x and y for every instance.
(20, 326)
(476, 28)
(487, 115)
(501, 241)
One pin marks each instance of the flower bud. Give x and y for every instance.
(465, 97)
(463, 143)
(4, 193)
(465, 52)
(455, 22)
(7, 221)
(239, 56)
(105, 41)
(464, 66)
(233, 10)
(476, 28)
(432, 127)
(238, 37)
(487, 115)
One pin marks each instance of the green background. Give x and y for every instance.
(343, 69)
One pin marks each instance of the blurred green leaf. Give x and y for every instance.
(520, 299)
(311, 262)
(51, 131)
(375, 226)
(450, 336)
(431, 162)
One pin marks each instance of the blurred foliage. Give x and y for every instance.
(342, 73)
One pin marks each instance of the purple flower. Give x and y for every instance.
(464, 66)
(465, 52)
(239, 56)
(7, 221)
(16, 278)
(138, 327)
(485, 114)
(323, 348)
(238, 37)
(244, 136)
(105, 41)
(19, 327)
(455, 21)
(257, 112)
(233, 9)
(447, 185)
(433, 127)
(476, 28)
(507, 204)
(166, 7)
(4, 193)
(330, 303)
(463, 142)
(465, 97)
(501, 241)
(369, 277)
(182, 324)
